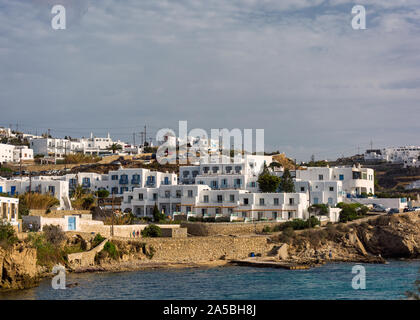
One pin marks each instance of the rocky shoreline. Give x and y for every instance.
(373, 241)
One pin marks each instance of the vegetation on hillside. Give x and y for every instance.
(36, 201)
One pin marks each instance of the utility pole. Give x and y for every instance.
(134, 139)
(112, 225)
(30, 182)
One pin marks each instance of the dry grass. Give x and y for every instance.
(38, 201)
(80, 158)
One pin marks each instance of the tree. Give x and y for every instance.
(114, 147)
(157, 215)
(268, 182)
(319, 209)
(102, 193)
(286, 183)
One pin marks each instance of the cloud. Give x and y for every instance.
(295, 68)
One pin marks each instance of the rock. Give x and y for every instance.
(282, 252)
(18, 269)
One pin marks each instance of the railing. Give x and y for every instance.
(123, 181)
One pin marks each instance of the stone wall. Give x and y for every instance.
(204, 249)
(85, 259)
(58, 213)
(219, 228)
(174, 232)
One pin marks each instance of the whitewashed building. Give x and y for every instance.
(9, 210)
(393, 154)
(6, 153)
(44, 185)
(354, 180)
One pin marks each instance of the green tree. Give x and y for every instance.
(268, 182)
(114, 147)
(157, 215)
(286, 183)
(102, 193)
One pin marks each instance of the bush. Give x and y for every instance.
(7, 234)
(266, 229)
(152, 231)
(97, 240)
(319, 209)
(47, 254)
(351, 211)
(157, 215)
(111, 249)
(54, 234)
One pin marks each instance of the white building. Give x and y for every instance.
(226, 175)
(44, 185)
(393, 154)
(202, 201)
(9, 210)
(354, 180)
(22, 153)
(92, 146)
(6, 153)
(119, 181)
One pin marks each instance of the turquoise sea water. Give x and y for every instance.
(331, 281)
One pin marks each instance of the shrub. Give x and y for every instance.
(266, 229)
(47, 253)
(111, 249)
(7, 234)
(97, 240)
(54, 234)
(152, 231)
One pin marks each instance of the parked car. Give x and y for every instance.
(393, 210)
(379, 208)
(409, 209)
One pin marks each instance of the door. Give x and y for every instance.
(13, 190)
(71, 223)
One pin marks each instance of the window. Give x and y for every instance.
(232, 198)
(217, 210)
(331, 188)
(140, 196)
(228, 169)
(114, 177)
(253, 184)
(276, 201)
(206, 199)
(167, 194)
(178, 193)
(155, 196)
(321, 177)
(302, 189)
(330, 201)
(275, 215)
(261, 201)
(246, 201)
(206, 169)
(219, 198)
(190, 193)
(215, 169)
(188, 209)
(290, 215)
(291, 201)
(316, 200)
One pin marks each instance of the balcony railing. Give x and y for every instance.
(123, 181)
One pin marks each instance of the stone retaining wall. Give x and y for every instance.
(220, 228)
(204, 249)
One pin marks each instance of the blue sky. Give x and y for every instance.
(293, 67)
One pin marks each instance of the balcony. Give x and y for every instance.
(123, 181)
(135, 181)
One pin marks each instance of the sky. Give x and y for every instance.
(295, 68)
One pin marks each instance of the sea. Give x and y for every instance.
(333, 281)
